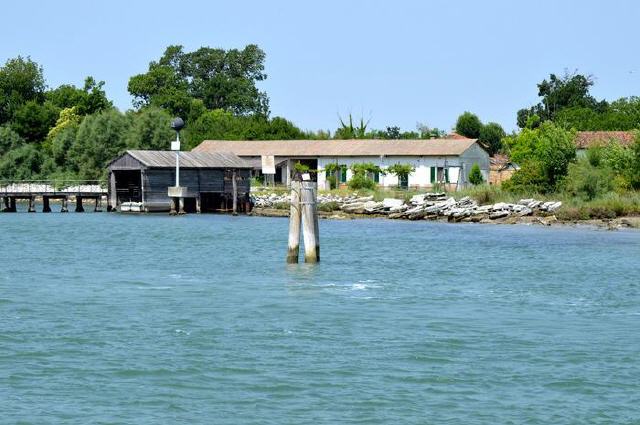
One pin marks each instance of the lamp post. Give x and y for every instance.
(177, 192)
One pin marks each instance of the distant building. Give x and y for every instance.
(586, 139)
(145, 176)
(501, 169)
(436, 161)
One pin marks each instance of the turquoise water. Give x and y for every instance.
(107, 318)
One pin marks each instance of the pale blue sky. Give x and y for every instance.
(398, 62)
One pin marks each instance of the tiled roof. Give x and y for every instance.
(586, 139)
(334, 148)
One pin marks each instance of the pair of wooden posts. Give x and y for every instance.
(303, 208)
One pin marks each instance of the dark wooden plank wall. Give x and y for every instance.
(126, 162)
(157, 181)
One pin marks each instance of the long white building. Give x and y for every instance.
(443, 161)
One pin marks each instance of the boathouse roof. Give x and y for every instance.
(337, 148)
(167, 159)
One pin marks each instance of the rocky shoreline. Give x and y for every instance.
(436, 207)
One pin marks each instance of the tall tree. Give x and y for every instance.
(21, 80)
(469, 125)
(221, 79)
(491, 136)
(559, 93)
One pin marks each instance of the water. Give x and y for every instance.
(106, 318)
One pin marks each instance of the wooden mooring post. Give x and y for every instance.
(234, 185)
(310, 222)
(304, 211)
(63, 208)
(46, 208)
(79, 207)
(294, 223)
(32, 205)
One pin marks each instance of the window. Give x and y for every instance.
(441, 173)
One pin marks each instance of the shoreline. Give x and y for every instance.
(626, 222)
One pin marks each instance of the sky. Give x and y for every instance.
(391, 62)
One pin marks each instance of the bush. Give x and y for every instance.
(588, 181)
(333, 182)
(329, 206)
(544, 155)
(475, 175)
(359, 181)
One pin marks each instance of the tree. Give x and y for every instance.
(223, 125)
(362, 175)
(559, 93)
(9, 139)
(469, 125)
(402, 171)
(21, 80)
(544, 155)
(68, 118)
(475, 175)
(491, 136)
(348, 130)
(150, 129)
(427, 132)
(221, 79)
(21, 163)
(88, 100)
(391, 132)
(33, 120)
(99, 139)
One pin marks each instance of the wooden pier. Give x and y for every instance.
(65, 191)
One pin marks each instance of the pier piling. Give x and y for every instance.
(32, 205)
(310, 223)
(79, 207)
(46, 208)
(234, 185)
(294, 223)
(64, 208)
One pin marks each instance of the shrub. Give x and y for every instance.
(544, 155)
(329, 206)
(588, 181)
(402, 171)
(333, 182)
(475, 175)
(359, 181)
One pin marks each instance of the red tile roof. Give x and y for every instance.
(586, 139)
(455, 136)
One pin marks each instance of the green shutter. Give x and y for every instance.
(376, 177)
(343, 175)
(433, 174)
(446, 175)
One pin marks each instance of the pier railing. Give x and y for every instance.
(52, 187)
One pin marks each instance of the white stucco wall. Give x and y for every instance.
(421, 177)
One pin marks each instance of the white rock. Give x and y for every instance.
(392, 202)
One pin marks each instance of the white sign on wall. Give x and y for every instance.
(268, 164)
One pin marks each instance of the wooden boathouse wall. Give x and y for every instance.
(207, 183)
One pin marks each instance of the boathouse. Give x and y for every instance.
(142, 178)
(445, 162)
